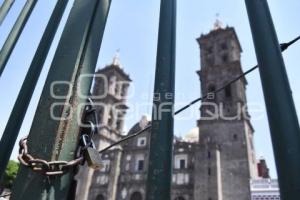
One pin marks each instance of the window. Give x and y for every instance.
(119, 123)
(140, 166)
(124, 90)
(235, 137)
(228, 91)
(117, 89)
(182, 164)
(106, 166)
(211, 88)
(141, 142)
(209, 171)
(102, 180)
(225, 58)
(139, 162)
(180, 161)
(181, 178)
(112, 84)
(208, 155)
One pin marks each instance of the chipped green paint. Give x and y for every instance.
(76, 54)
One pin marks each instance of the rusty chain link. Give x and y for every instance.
(54, 168)
(42, 166)
(5, 195)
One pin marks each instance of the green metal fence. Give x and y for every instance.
(78, 51)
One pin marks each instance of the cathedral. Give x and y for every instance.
(214, 162)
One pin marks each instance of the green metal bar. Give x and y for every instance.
(5, 9)
(17, 115)
(161, 145)
(50, 139)
(15, 33)
(281, 111)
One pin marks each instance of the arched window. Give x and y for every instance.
(179, 198)
(100, 197)
(136, 196)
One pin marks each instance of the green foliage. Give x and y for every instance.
(10, 174)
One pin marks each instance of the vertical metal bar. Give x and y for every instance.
(51, 139)
(17, 115)
(281, 111)
(161, 144)
(15, 33)
(5, 9)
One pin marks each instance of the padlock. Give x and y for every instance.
(93, 158)
(91, 155)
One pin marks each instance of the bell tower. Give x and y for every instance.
(225, 159)
(109, 94)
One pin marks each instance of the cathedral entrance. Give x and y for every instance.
(136, 196)
(100, 197)
(179, 198)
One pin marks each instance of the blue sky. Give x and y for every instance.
(132, 27)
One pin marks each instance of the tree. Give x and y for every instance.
(10, 174)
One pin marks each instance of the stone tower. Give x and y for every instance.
(109, 94)
(225, 159)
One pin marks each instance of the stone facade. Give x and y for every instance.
(132, 169)
(225, 161)
(215, 162)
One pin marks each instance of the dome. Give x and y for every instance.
(144, 121)
(192, 135)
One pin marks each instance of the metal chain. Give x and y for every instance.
(54, 168)
(5, 195)
(42, 166)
